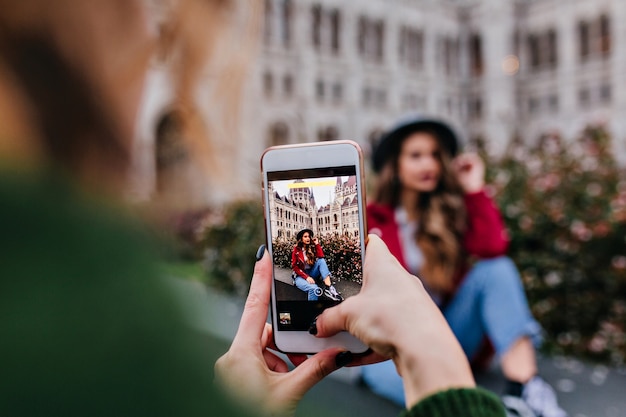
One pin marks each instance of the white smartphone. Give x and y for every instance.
(313, 199)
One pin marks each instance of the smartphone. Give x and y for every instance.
(313, 201)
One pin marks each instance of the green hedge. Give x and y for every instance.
(343, 256)
(230, 246)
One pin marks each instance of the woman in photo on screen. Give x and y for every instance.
(310, 271)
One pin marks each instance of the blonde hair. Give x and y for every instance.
(441, 222)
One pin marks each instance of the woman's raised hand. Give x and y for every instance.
(470, 170)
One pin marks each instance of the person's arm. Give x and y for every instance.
(319, 252)
(466, 402)
(486, 235)
(295, 266)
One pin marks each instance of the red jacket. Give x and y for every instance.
(297, 259)
(485, 236)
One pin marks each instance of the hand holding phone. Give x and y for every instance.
(253, 374)
(313, 199)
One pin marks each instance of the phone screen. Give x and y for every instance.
(316, 240)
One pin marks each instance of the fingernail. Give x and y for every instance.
(313, 327)
(343, 358)
(260, 252)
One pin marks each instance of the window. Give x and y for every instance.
(583, 40)
(361, 37)
(286, 22)
(170, 151)
(337, 92)
(328, 133)
(268, 84)
(476, 55)
(319, 90)
(316, 26)
(534, 51)
(553, 103)
(584, 97)
(371, 39)
(605, 34)
(605, 93)
(552, 49)
(379, 36)
(335, 31)
(278, 135)
(288, 85)
(411, 47)
(269, 14)
(533, 105)
(475, 108)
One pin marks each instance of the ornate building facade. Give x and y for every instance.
(297, 210)
(496, 69)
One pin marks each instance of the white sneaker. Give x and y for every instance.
(541, 398)
(516, 407)
(332, 293)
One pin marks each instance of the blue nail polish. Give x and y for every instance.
(260, 252)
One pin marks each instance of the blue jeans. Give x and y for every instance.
(307, 287)
(490, 302)
(318, 271)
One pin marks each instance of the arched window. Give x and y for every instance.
(170, 150)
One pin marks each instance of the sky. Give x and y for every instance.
(323, 188)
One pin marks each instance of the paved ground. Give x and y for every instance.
(585, 390)
(289, 292)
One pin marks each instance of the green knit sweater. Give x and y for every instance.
(464, 402)
(88, 328)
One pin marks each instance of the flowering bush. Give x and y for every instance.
(564, 205)
(343, 256)
(230, 244)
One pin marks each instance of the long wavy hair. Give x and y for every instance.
(309, 249)
(442, 217)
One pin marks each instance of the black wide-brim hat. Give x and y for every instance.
(390, 141)
(302, 232)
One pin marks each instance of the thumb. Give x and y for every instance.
(313, 370)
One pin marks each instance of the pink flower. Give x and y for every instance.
(619, 262)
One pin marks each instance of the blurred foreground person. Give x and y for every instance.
(88, 326)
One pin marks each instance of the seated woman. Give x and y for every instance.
(310, 269)
(431, 209)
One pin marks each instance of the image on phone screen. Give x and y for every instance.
(316, 241)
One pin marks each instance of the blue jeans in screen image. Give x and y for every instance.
(318, 271)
